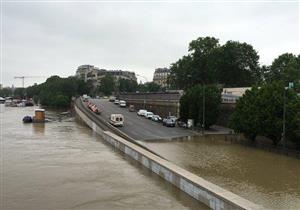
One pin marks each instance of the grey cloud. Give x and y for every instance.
(55, 38)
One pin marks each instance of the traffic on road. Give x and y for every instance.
(138, 124)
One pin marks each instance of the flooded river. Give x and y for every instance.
(64, 165)
(269, 179)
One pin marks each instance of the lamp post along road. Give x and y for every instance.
(203, 109)
(283, 123)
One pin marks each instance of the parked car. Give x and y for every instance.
(181, 124)
(156, 118)
(131, 108)
(149, 115)
(116, 102)
(112, 98)
(141, 112)
(116, 119)
(122, 103)
(170, 121)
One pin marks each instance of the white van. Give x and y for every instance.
(116, 119)
(122, 103)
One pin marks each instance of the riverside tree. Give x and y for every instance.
(285, 67)
(260, 112)
(191, 104)
(208, 62)
(107, 85)
(57, 91)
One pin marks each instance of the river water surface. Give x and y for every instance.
(64, 165)
(265, 178)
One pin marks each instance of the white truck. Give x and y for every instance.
(116, 119)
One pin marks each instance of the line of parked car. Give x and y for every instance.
(169, 121)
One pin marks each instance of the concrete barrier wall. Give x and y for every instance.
(195, 186)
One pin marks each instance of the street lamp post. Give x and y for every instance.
(284, 118)
(203, 109)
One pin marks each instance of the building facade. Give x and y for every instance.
(160, 76)
(95, 74)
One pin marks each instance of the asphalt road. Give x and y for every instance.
(138, 127)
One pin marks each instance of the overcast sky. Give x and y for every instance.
(54, 38)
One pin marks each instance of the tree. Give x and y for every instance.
(107, 85)
(210, 63)
(20, 92)
(195, 68)
(181, 74)
(191, 106)
(202, 52)
(285, 68)
(260, 112)
(33, 90)
(5, 92)
(149, 87)
(126, 85)
(61, 101)
(237, 65)
(245, 118)
(56, 91)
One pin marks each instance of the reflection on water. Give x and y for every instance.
(271, 180)
(64, 165)
(38, 128)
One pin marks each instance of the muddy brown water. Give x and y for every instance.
(64, 165)
(269, 179)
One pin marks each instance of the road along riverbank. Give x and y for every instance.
(200, 189)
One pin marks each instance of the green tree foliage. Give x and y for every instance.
(126, 85)
(235, 58)
(149, 87)
(210, 63)
(260, 112)
(107, 85)
(20, 92)
(56, 91)
(61, 101)
(285, 68)
(245, 119)
(191, 104)
(6, 92)
(33, 90)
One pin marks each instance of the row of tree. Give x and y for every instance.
(233, 64)
(57, 91)
(109, 85)
(210, 66)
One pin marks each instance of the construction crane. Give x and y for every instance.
(23, 78)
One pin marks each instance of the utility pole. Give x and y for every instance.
(284, 118)
(203, 109)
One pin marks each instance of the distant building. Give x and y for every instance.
(160, 76)
(231, 95)
(95, 74)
